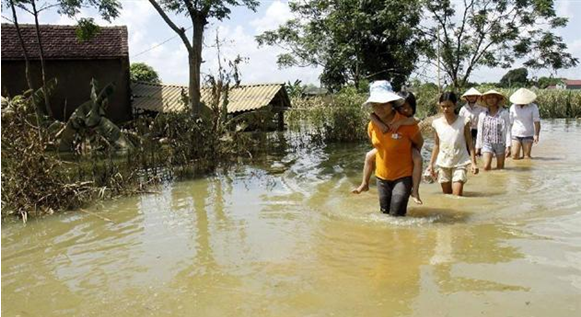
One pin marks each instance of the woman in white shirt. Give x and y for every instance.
(493, 130)
(525, 121)
(452, 136)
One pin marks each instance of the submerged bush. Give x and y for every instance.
(36, 179)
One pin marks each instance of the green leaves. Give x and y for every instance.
(352, 40)
(494, 33)
(108, 9)
(87, 29)
(143, 73)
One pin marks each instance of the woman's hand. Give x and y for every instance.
(507, 151)
(431, 170)
(384, 128)
(394, 126)
(536, 139)
(478, 152)
(474, 169)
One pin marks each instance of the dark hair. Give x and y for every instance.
(448, 96)
(409, 97)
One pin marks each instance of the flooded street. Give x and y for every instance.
(289, 239)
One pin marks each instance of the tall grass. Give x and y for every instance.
(555, 103)
(340, 117)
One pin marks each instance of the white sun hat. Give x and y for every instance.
(381, 92)
(471, 92)
(523, 96)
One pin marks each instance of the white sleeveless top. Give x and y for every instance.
(453, 151)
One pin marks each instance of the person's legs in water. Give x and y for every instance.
(487, 158)
(384, 189)
(367, 171)
(457, 188)
(527, 146)
(416, 176)
(515, 150)
(458, 180)
(445, 179)
(400, 196)
(500, 153)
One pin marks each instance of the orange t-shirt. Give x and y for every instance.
(394, 150)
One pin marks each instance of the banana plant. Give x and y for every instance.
(90, 117)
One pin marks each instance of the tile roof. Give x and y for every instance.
(60, 42)
(572, 82)
(168, 98)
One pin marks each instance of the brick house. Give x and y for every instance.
(72, 63)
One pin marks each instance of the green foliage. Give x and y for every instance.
(515, 78)
(87, 29)
(340, 119)
(36, 181)
(108, 9)
(427, 100)
(351, 40)
(295, 90)
(545, 82)
(144, 73)
(554, 103)
(88, 126)
(494, 34)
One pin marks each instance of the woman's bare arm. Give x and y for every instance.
(468, 137)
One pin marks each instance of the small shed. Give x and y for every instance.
(72, 62)
(155, 98)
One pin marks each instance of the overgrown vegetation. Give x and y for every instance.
(340, 118)
(38, 179)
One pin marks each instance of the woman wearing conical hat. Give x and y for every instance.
(525, 121)
(472, 110)
(493, 130)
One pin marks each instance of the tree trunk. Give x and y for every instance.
(195, 59)
(42, 65)
(26, 59)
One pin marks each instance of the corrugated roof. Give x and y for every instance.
(60, 42)
(168, 98)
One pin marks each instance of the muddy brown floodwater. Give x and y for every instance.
(288, 239)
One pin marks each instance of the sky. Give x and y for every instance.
(151, 41)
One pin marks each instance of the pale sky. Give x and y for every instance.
(150, 42)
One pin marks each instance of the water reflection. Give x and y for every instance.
(283, 236)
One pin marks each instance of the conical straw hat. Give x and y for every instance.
(492, 92)
(523, 96)
(471, 92)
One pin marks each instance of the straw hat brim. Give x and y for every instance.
(492, 93)
(471, 92)
(523, 96)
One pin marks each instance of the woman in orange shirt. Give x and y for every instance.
(393, 165)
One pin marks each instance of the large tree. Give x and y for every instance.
(144, 73)
(515, 78)
(199, 12)
(494, 33)
(351, 40)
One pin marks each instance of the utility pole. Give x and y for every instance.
(438, 52)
